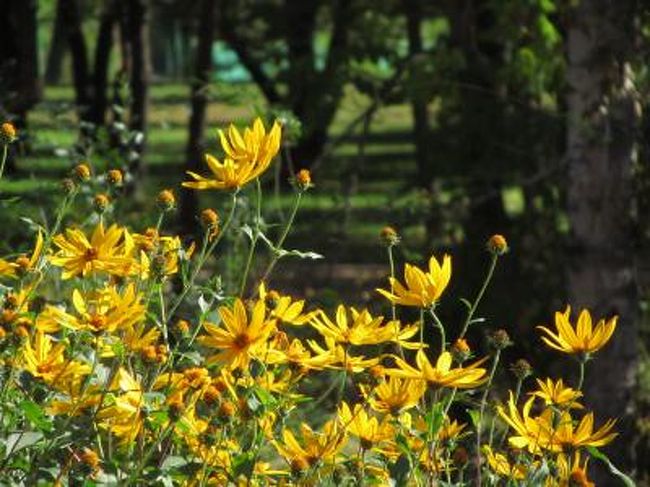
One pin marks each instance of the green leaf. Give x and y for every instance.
(399, 471)
(243, 465)
(18, 441)
(474, 416)
(35, 415)
(627, 481)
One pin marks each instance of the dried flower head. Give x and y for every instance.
(389, 236)
(115, 177)
(166, 200)
(82, 171)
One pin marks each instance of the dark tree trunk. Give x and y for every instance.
(103, 47)
(71, 15)
(200, 83)
(603, 115)
(57, 50)
(418, 95)
(21, 87)
(314, 96)
(139, 69)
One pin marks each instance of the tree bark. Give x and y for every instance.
(57, 49)
(421, 129)
(103, 47)
(199, 100)
(139, 70)
(601, 143)
(71, 15)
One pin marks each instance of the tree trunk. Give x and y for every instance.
(418, 95)
(139, 69)
(71, 15)
(19, 66)
(103, 47)
(199, 99)
(57, 50)
(601, 151)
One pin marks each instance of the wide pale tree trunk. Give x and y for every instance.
(601, 148)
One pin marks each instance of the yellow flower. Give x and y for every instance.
(563, 435)
(395, 395)
(124, 418)
(284, 308)
(501, 466)
(23, 264)
(47, 361)
(102, 253)
(555, 393)
(362, 329)
(584, 339)
(247, 157)
(442, 375)
(238, 339)
(422, 289)
(529, 434)
(571, 472)
(340, 358)
(314, 448)
(297, 356)
(103, 311)
(368, 429)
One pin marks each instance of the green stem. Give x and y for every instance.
(280, 242)
(5, 150)
(472, 310)
(581, 377)
(497, 356)
(391, 262)
(205, 253)
(255, 238)
(441, 329)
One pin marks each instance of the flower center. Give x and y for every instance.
(242, 341)
(97, 322)
(90, 254)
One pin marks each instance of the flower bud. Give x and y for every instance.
(82, 172)
(115, 177)
(389, 236)
(209, 218)
(497, 245)
(7, 133)
(166, 200)
(183, 326)
(460, 350)
(521, 369)
(226, 411)
(68, 185)
(499, 339)
(303, 180)
(101, 202)
(89, 458)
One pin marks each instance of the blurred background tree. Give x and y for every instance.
(449, 120)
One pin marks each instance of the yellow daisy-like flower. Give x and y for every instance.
(47, 361)
(340, 358)
(247, 157)
(572, 472)
(103, 311)
(442, 375)
(314, 448)
(529, 434)
(124, 418)
(284, 308)
(361, 329)
(564, 435)
(421, 289)
(102, 253)
(23, 263)
(395, 395)
(584, 339)
(501, 466)
(238, 339)
(556, 394)
(368, 429)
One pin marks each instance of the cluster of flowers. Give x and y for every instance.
(111, 374)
